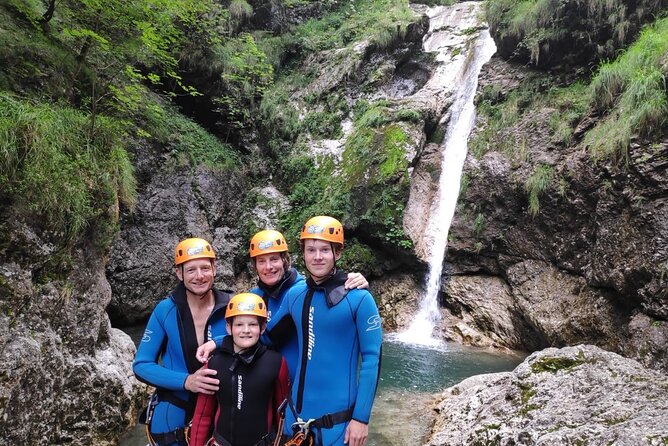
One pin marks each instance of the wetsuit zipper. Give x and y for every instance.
(306, 336)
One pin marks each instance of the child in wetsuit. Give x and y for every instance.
(253, 382)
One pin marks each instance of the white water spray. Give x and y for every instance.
(454, 149)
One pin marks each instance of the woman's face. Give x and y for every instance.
(270, 268)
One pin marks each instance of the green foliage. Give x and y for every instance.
(54, 168)
(374, 168)
(323, 124)
(501, 115)
(538, 24)
(479, 224)
(360, 258)
(570, 105)
(632, 90)
(31, 62)
(381, 112)
(370, 185)
(245, 77)
(278, 115)
(98, 55)
(187, 140)
(408, 115)
(378, 21)
(537, 184)
(240, 9)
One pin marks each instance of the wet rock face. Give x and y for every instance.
(65, 374)
(173, 206)
(398, 298)
(589, 266)
(573, 395)
(575, 34)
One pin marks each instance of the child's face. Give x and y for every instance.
(245, 331)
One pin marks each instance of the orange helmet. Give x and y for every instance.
(323, 228)
(193, 248)
(267, 241)
(246, 304)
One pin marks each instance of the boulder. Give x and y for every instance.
(574, 395)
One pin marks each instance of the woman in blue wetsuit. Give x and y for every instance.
(191, 314)
(270, 259)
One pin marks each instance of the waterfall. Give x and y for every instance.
(454, 149)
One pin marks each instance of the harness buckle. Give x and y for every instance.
(302, 426)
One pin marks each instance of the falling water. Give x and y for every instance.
(454, 148)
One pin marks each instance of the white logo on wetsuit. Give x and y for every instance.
(374, 323)
(311, 334)
(240, 392)
(147, 336)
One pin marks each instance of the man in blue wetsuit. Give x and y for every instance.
(339, 335)
(193, 313)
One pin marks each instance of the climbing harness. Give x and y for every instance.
(180, 436)
(308, 433)
(218, 440)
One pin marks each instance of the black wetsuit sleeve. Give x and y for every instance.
(282, 332)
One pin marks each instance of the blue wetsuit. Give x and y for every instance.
(335, 329)
(166, 356)
(274, 296)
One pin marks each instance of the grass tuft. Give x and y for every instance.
(631, 93)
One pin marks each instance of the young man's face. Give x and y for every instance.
(245, 331)
(319, 258)
(270, 268)
(197, 275)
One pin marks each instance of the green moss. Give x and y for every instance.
(408, 114)
(526, 392)
(616, 420)
(555, 364)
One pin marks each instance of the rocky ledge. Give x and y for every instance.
(571, 396)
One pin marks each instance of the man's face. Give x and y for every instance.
(245, 331)
(270, 268)
(319, 258)
(197, 275)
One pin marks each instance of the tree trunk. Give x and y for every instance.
(48, 15)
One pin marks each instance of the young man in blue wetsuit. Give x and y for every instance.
(339, 335)
(191, 314)
(253, 383)
(270, 259)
